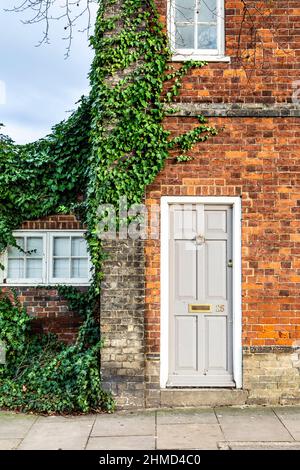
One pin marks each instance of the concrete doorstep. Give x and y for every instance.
(223, 428)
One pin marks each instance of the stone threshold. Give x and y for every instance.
(192, 397)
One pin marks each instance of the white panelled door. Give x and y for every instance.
(200, 290)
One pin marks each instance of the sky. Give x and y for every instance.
(38, 86)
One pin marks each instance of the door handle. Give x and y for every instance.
(230, 263)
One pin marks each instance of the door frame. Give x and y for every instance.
(235, 202)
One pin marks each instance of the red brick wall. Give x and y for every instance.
(53, 222)
(257, 159)
(263, 65)
(50, 310)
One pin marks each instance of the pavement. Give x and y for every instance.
(226, 428)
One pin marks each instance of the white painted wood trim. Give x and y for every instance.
(198, 57)
(164, 292)
(24, 281)
(50, 251)
(237, 280)
(237, 293)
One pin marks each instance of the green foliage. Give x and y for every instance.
(45, 375)
(183, 158)
(114, 145)
(13, 325)
(36, 179)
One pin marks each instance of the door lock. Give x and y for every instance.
(230, 263)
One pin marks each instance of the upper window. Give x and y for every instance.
(47, 258)
(197, 29)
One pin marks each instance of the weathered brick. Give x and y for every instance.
(126, 331)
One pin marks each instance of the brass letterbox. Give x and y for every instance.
(200, 308)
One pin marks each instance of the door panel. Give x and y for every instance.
(216, 269)
(186, 343)
(185, 271)
(216, 354)
(216, 222)
(200, 295)
(185, 223)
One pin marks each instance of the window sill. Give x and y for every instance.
(195, 57)
(41, 285)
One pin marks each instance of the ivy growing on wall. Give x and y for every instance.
(114, 145)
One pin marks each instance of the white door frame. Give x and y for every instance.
(235, 202)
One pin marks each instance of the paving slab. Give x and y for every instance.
(190, 416)
(121, 424)
(188, 436)
(67, 418)
(53, 433)
(251, 424)
(121, 443)
(15, 425)
(236, 428)
(9, 444)
(290, 416)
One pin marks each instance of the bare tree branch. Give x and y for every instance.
(45, 11)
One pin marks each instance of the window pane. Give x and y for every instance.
(79, 268)
(185, 10)
(13, 252)
(35, 243)
(208, 11)
(61, 268)
(207, 37)
(78, 247)
(15, 269)
(34, 269)
(184, 37)
(61, 246)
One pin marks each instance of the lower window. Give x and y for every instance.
(47, 257)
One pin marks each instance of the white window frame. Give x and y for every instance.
(55, 280)
(21, 281)
(47, 278)
(209, 55)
